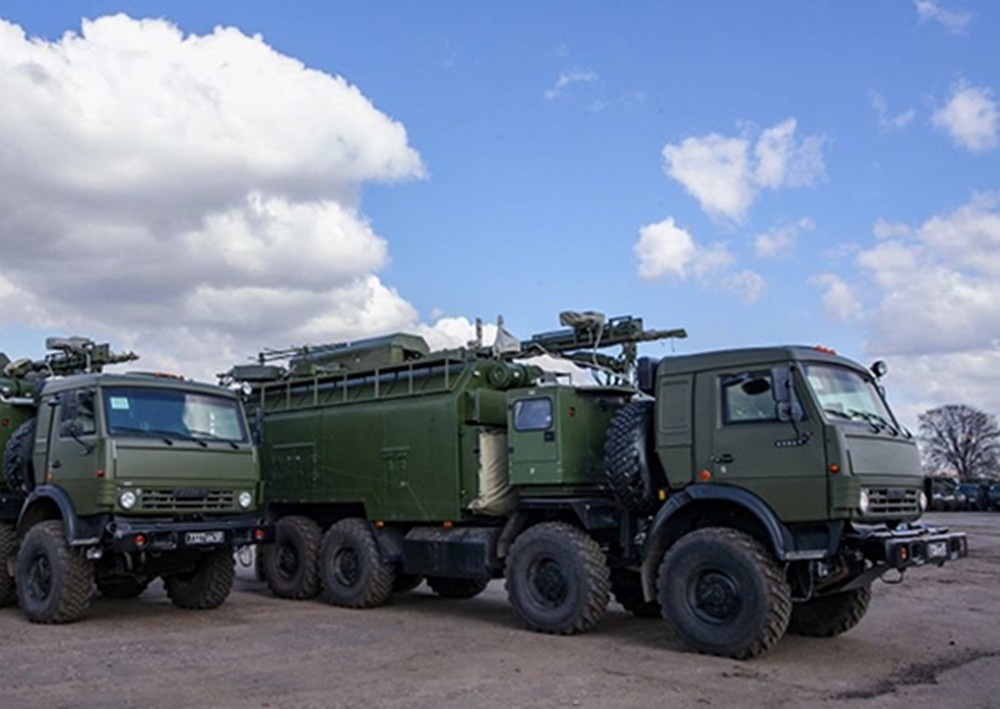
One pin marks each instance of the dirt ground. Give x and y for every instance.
(933, 641)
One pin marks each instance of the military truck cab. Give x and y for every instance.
(122, 478)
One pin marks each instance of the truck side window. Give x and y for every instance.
(748, 397)
(81, 413)
(533, 414)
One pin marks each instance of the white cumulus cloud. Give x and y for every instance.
(954, 21)
(667, 250)
(193, 196)
(727, 174)
(970, 117)
(929, 300)
(568, 79)
(886, 121)
(780, 241)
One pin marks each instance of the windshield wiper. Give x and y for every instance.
(877, 422)
(838, 413)
(167, 437)
(198, 435)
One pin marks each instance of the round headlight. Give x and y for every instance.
(245, 500)
(127, 499)
(922, 501)
(864, 504)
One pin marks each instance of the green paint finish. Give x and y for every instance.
(557, 433)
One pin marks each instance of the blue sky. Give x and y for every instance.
(766, 172)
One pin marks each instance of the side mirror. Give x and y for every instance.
(787, 407)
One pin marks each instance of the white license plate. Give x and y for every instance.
(937, 550)
(204, 537)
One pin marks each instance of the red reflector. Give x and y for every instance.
(834, 469)
(140, 540)
(99, 473)
(904, 553)
(258, 534)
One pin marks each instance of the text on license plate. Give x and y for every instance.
(204, 537)
(937, 550)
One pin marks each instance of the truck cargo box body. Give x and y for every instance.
(403, 440)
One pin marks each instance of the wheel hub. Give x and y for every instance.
(347, 566)
(288, 561)
(39, 577)
(715, 596)
(547, 583)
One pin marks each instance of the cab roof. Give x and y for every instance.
(135, 379)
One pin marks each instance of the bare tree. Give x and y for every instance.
(961, 439)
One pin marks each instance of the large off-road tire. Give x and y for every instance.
(207, 585)
(8, 550)
(353, 572)
(628, 464)
(626, 585)
(291, 564)
(17, 469)
(457, 588)
(54, 582)
(827, 616)
(723, 593)
(122, 587)
(557, 579)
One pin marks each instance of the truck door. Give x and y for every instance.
(72, 455)
(782, 462)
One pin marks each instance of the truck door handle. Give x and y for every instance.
(56, 464)
(723, 458)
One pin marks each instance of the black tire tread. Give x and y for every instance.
(78, 588)
(457, 588)
(8, 548)
(626, 459)
(596, 569)
(827, 616)
(17, 458)
(780, 609)
(383, 574)
(312, 536)
(208, 586)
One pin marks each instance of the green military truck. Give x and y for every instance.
(737, 494)
(114, 480)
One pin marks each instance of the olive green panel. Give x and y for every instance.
(12, 416)
(404, 459)
(674, 428)
(784, 467)
(570, 450)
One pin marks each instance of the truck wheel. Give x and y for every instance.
(291, 564)
(557, 579)
(353, 571)
(207, 586)
(54, 582)
(17, 472)
(626, 585)
(122, 587)
(827, 616)
(457, 588)
(723, 593)
(626, 457)
(8, 550)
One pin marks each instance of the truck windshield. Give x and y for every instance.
(172, 414)
(845, 394)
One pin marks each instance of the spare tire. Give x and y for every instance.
(630, 469)
(17, 470)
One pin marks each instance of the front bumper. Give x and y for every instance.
(138, 534)
(914, 545)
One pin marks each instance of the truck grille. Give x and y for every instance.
(893, 501)
(183, 500)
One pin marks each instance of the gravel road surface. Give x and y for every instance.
(933, 641)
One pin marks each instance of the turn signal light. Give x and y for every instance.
(140, 540)
(834, 469)
(258, 534)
